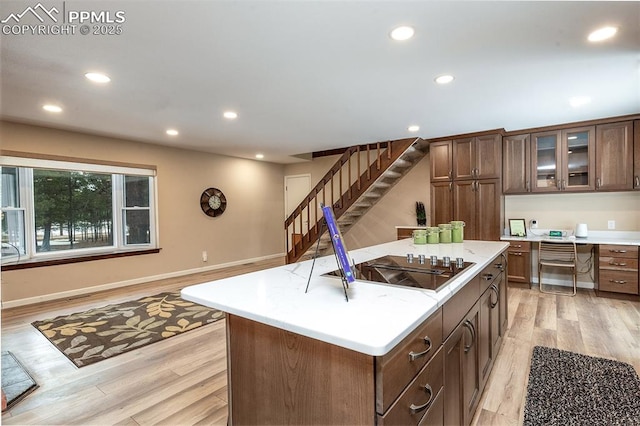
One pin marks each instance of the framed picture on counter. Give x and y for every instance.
(517, 228)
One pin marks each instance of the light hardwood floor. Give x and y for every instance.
(182, 380)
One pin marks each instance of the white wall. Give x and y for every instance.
(564, 211)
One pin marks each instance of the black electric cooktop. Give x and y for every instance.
(407, 271)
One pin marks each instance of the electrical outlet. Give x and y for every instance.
(611, 224)
(204, 256)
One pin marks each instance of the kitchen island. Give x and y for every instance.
(315, 358)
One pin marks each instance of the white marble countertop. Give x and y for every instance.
(376, 317)
(625, 238)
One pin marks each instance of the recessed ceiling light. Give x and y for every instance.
(172, 132)
(602, 34)
(402, 33)
(259, 156)
(444, 79)
(230, 115)
(413, 128)
(52, 108)
(578, 101)
(97, 77)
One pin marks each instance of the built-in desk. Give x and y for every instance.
(613, 258)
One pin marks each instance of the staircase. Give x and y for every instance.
(355, 183)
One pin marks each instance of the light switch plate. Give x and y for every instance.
(611, 224)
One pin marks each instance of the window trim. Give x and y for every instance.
(37, 263)
(26, 162)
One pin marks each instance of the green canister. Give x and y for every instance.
(433, 235)
(445, 232)
(420, 236)
(457, 231)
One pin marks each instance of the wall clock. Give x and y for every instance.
(213, 202)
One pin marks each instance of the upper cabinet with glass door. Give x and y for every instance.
(563, 160)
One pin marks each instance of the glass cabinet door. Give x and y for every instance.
(579, 159)
(545, 155)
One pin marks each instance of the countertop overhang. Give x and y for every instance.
(376, 317)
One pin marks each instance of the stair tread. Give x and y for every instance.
(396, 170)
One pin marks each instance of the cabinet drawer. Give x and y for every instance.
(435, 414)
(421, 395)
(490, 273)
(396, 369)
(618, 281)
(519, 246)
(618, 263)
(629, 252)
(456, 308)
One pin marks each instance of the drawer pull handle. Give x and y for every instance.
(497, 293)
(413, 356)
(617, 251)
(617, 264)
(471, 328)
(487, 277)
(417, 408)
(618, 281)
(517, 246)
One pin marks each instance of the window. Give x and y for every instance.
(59, 209)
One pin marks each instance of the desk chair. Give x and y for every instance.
(561, 254)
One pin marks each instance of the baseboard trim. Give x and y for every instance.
(564, 283)
(110, 286)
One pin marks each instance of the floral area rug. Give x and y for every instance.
(97, 334)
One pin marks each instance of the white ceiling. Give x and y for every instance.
(315, 75)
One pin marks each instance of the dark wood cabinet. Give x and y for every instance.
(636, 154)
(465, 184)
(502, 292)
(617, 269)
(409, 379)
(493, 315)
(516, 164)
(477, 203)
(406, 232)
(600, 157)
(477, 157)
(563, 160)
(474, 324)
(519, 270)
(462, 381)
(441, 202)
(441, 161)
(614, 156)
(434, 376)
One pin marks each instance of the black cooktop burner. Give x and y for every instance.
(398, 270)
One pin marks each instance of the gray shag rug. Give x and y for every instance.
(16, 381)
(566, 388)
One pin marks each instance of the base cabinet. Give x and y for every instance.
(472, 347)
(462, 381)
(435, 376)
(519, 263)
(618, 270)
